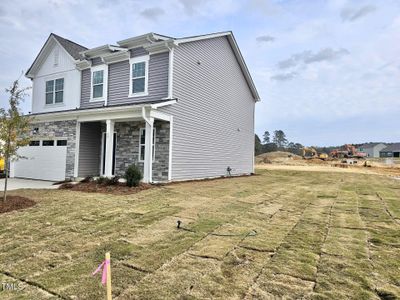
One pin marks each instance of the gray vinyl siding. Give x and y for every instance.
(96, 61)
(85, 91)
(89, 149)
(213, 124)
(118, 82)
(138, 52)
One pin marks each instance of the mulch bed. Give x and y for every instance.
(15, 203)
(94, 187)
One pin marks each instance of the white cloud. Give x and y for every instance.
(352, 14)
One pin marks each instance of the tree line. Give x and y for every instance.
(277, 142)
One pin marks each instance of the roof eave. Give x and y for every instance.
(101, 50)
(142, 40)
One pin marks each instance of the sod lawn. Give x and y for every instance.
(284, 234)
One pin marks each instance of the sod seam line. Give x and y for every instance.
(34, 284)
(396, 221)
(250, 289)
(328, 230)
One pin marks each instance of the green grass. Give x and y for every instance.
(279, 234)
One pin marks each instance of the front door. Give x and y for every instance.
(103, 152)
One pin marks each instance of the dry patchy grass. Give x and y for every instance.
(288, 234)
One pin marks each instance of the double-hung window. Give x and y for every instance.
(55, 91)
(142, 143)
(139, 71)
(99, 83)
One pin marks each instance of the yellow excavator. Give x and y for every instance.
(1, 165)
(309, 152)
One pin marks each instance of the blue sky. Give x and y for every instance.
(328, 72)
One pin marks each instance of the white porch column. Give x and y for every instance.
(77, 145)
(109, 148)
(148, 151)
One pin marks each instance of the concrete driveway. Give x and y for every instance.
(17, 183)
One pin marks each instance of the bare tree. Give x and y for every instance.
(14, 128)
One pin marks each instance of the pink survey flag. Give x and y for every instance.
(104, 275)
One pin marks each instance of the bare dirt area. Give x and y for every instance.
(288, 161)
(15, 203)
(282, 234)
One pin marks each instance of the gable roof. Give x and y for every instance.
(73, 49)
(395, 147)
(371, 145)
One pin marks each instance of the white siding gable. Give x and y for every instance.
(58, 64)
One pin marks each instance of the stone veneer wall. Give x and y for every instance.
(127, 151)
(59, 130)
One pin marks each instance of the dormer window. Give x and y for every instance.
(99, 83)
(55, 91)
(139, 75)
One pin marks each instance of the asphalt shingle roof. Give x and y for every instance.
(71, 47)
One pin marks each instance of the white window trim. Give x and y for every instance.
(153, 144)
(103, 68)
(134, 60)
(54, 78)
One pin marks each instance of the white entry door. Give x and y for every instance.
(44, 160)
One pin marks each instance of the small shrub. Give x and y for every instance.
(133, 175)
(111, 181)
(101, 180)
(87, 179)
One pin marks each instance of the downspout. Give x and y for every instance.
(144, 115)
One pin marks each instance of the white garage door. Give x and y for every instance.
(41, 162)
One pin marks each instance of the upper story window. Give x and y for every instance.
(55, 91)
(139, 75)
(99, 83)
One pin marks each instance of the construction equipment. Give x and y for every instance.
(323, 156)
(313, 153)
(309, 150)
(348, 151)
(1, 165)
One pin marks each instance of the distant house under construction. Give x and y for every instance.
(392, 150)
(372, 149)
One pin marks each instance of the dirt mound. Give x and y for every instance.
(15, 203)
(276, 157)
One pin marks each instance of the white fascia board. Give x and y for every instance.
(83, 64)
(162, 104)
(101, 51)
(244, 68)
(160, 115)
(202, 37)
(141, 40)
(95, 51)
(116, 56)
(96, 114)
(160, 47)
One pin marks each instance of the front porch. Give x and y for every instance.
(108, 144)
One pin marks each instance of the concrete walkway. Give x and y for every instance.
(17, 183)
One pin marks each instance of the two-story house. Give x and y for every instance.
(180, 108)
